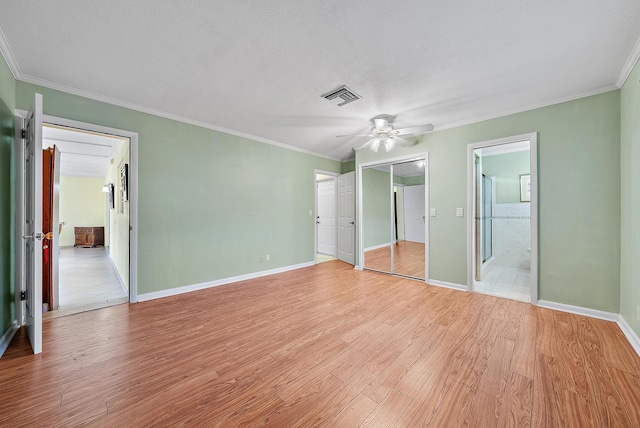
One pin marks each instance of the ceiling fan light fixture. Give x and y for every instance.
(389, 143)
(375, 144)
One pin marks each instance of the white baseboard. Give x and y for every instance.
(7, 336)
(375, 247)
(631, 335)
(115, 268)
(578, 310)
(445, 284)
(194, 287)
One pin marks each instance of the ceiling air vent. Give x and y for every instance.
(346, 94)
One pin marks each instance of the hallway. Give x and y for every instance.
(87, 281)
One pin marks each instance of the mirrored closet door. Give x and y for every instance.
(394, 222)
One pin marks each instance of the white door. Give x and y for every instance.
(346, 217)
(33, 223)
(414, 215)
(326, 217)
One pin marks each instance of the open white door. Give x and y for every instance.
(33, 223)
(326, 217)
(346, 217)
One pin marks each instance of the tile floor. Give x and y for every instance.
(321, 258)
(505, 282)
(87, 281)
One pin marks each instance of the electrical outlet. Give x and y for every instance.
(268, 257)
(261, 259)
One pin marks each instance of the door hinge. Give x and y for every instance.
(23, 295)
(24, 134)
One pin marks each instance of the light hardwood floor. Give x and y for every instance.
(323, 346)
(408, 259)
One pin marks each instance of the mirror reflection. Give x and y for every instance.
(376, 203)
(410, 219)
(394, 218)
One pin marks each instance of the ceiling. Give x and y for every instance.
(82, 154)
(258, 68)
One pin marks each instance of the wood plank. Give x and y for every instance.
(487, 402)
(388, 411)
(517, 404)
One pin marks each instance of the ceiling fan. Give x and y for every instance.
(383, 133)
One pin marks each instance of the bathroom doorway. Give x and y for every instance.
(503, 232)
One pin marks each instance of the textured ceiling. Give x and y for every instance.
(259, 67)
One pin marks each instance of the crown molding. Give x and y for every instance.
(628, 66)
(7, 54)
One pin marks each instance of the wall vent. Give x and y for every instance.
(346, 94)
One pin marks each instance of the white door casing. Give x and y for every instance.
(325, 220)
(414, 214)
(33, 223)
(346, 217)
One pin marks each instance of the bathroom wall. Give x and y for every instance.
(511, 235)
(511, 223)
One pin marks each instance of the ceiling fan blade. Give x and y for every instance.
(365, 145)
(402, 141)
(415, 130)
(356, 135)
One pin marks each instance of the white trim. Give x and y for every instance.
(533, 170)
(628, 66)
(7, 54)
(377, 247)
(133, 187)
(19, 284)
(445, 284)
(7, 336)
(631, 335)
(579, 310)
(115, 269)
(204, 285)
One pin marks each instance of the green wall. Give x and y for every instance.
(506, 168)
(7, 197)
(347, 166)
(579, 196)
(376, 202)
(210, 204)
(82, 204)
(630, 204)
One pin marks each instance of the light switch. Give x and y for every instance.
(310, 212)
(459, 212)
(433, 212)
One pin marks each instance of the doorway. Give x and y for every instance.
(326, 210)
(502, 226)
(91, 254)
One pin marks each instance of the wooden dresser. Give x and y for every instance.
(89, 236)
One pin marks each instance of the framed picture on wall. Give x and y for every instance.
(525, 187)
(124, 182)
(111, 196)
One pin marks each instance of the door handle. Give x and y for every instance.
(27, 236)
(352, 222)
